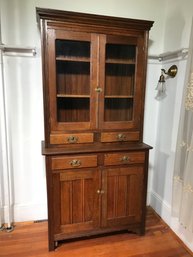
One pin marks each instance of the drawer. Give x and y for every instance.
(73, 138)
(119, 136)
(73, 162)
(124, 158)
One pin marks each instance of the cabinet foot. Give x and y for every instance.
(138, 231)
(52, 245)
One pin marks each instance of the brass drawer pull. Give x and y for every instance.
(121, 137)
(98, 89)
(75, 163)
(125, 158)
(72, 139)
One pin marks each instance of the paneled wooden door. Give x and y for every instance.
(72, 65)
(122, 198)
(121, 62)
(76, 202)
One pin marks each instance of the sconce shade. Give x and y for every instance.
(161, 86)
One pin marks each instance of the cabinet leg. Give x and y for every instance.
(52, 245)
(139, 231)
(142, 231)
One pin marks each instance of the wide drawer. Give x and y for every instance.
(73, 162)
(124, 158)
(119, 136)
(77, 138)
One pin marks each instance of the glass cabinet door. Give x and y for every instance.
(70, 87)
(121, 83)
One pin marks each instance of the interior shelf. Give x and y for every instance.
(72, 58)
(119, 96)
(120, 61)
(72, 96)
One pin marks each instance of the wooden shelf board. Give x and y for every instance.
(120, 61)
(119, 96)
(72, 59)
(72, 96)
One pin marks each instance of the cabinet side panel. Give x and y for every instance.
(135, 195)
(121, 196)
(88, 200)
(111, 189)
(66, 206)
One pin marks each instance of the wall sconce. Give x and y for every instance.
(161, 86)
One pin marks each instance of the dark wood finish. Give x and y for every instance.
(72, 138)
(124, 158)
(30, 239)
(94, 83)
(78, 202)
(94, 148)
(122, 203)
(121, 136)
(72, 162)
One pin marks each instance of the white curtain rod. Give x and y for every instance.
(170, 55)
(18, 51)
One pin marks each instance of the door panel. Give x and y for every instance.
(121, 80)
(122, 200)
(72, 68)
(78, 200)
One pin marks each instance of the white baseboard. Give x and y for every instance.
(28, 212)
(164, 211)
(161, 207)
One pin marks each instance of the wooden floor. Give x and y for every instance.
(30, 239)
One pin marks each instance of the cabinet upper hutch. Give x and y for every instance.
(94, 73)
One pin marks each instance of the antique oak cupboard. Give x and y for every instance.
(94, 73)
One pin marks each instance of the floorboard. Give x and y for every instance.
(30, 240)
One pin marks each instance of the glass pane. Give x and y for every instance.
(69, 48)
(119, 82)
(73, 80)
(116, 51)
(119, 79)
(118, 109)
(73, 109)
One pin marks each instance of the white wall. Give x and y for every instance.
(170, 32)
(178, 23)
(178, 20)
(19, 18)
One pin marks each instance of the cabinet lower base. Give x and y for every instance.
(134, 228)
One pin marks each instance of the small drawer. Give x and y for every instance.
(124, 158)
(73, 162)
(119, 136)
(77, 138)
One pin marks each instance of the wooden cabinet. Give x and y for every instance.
(94, 71)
